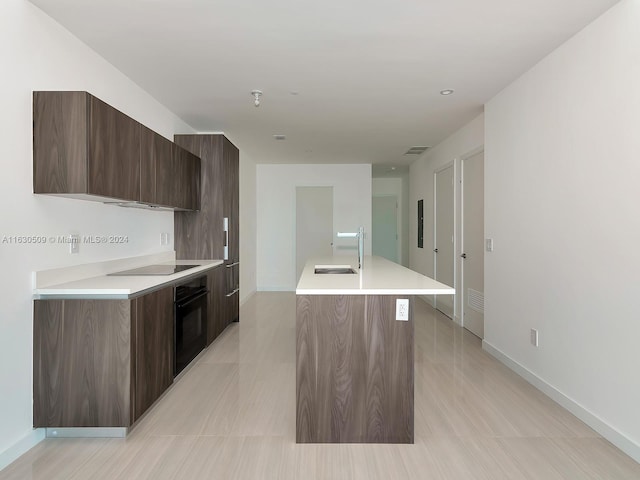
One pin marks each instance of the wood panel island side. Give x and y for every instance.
(354, 360)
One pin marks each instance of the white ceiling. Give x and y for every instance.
(368, 72)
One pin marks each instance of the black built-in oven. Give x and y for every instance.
(190, 321)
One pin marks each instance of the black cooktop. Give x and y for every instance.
(155, 270)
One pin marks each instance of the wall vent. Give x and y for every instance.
(416, 150)
(279, 137)
(475, 300)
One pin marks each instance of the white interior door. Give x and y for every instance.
(384, 210)
(444, 225)
(473, 244)
(314, 224)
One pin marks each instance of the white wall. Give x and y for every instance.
(561, 175)
(276, 234)
(399, 187)
(468, 139)
(247, 227)
(38, 54)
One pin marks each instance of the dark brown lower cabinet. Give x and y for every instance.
(216, 307)
(153, 347)
(100, 363)
(354, 370)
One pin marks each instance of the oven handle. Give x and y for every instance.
(232, 293)
(192, 299)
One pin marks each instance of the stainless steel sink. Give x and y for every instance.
(333, 269)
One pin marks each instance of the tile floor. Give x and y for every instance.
(232, 416)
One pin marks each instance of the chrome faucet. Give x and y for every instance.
(360, 236)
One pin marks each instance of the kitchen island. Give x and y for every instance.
(354, 359)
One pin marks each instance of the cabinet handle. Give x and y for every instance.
(232, 293)
(232, 264)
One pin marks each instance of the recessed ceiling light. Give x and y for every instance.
(448, 91)
(279, 137)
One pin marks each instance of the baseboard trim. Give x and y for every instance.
(246, 298)
(617, 438)
(276, 289)
(87, 432)
(12, 453)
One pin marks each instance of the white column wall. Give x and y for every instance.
(562, 203)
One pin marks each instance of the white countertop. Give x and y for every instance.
(105, 286)
(378, 276)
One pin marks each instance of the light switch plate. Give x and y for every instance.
(489, 244)
(74, 243)
(402, 309)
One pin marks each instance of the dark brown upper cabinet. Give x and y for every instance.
(84, 148)
(170, 174)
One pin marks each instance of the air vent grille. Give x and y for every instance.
(279, 137)
(475, 300)
(416, 150)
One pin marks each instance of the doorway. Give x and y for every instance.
(314, 224)
(384, 209)
(472, 278)
(444, 236)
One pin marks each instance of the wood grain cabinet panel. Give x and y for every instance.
(217, 304)
(179, 180)
(101, 363)
(153, 348)
(200, 235)
(84, 148)
(354, 370)
(170, 175)
(114, 152)
(82, 363)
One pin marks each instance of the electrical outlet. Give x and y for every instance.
(74, 243)
(164, 238)
(534, 337)
(402, 309)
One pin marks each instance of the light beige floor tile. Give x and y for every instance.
(232, 416)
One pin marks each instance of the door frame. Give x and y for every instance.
(462, 158)
(447, 165)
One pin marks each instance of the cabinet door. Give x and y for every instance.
(156, 153)
(179, 180)
(231, 159)
(153, 347)
(60, 142)
(82, 369)
(199, 235)
(114, 153)
(216, 308)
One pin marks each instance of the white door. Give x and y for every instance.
(444, 222)
(314, 224)
(473, 244)
(384, 238)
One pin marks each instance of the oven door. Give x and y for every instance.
(190, 325)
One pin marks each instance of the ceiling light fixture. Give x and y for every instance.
(256, 97)
(448, 91)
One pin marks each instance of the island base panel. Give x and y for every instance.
(354, 370)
